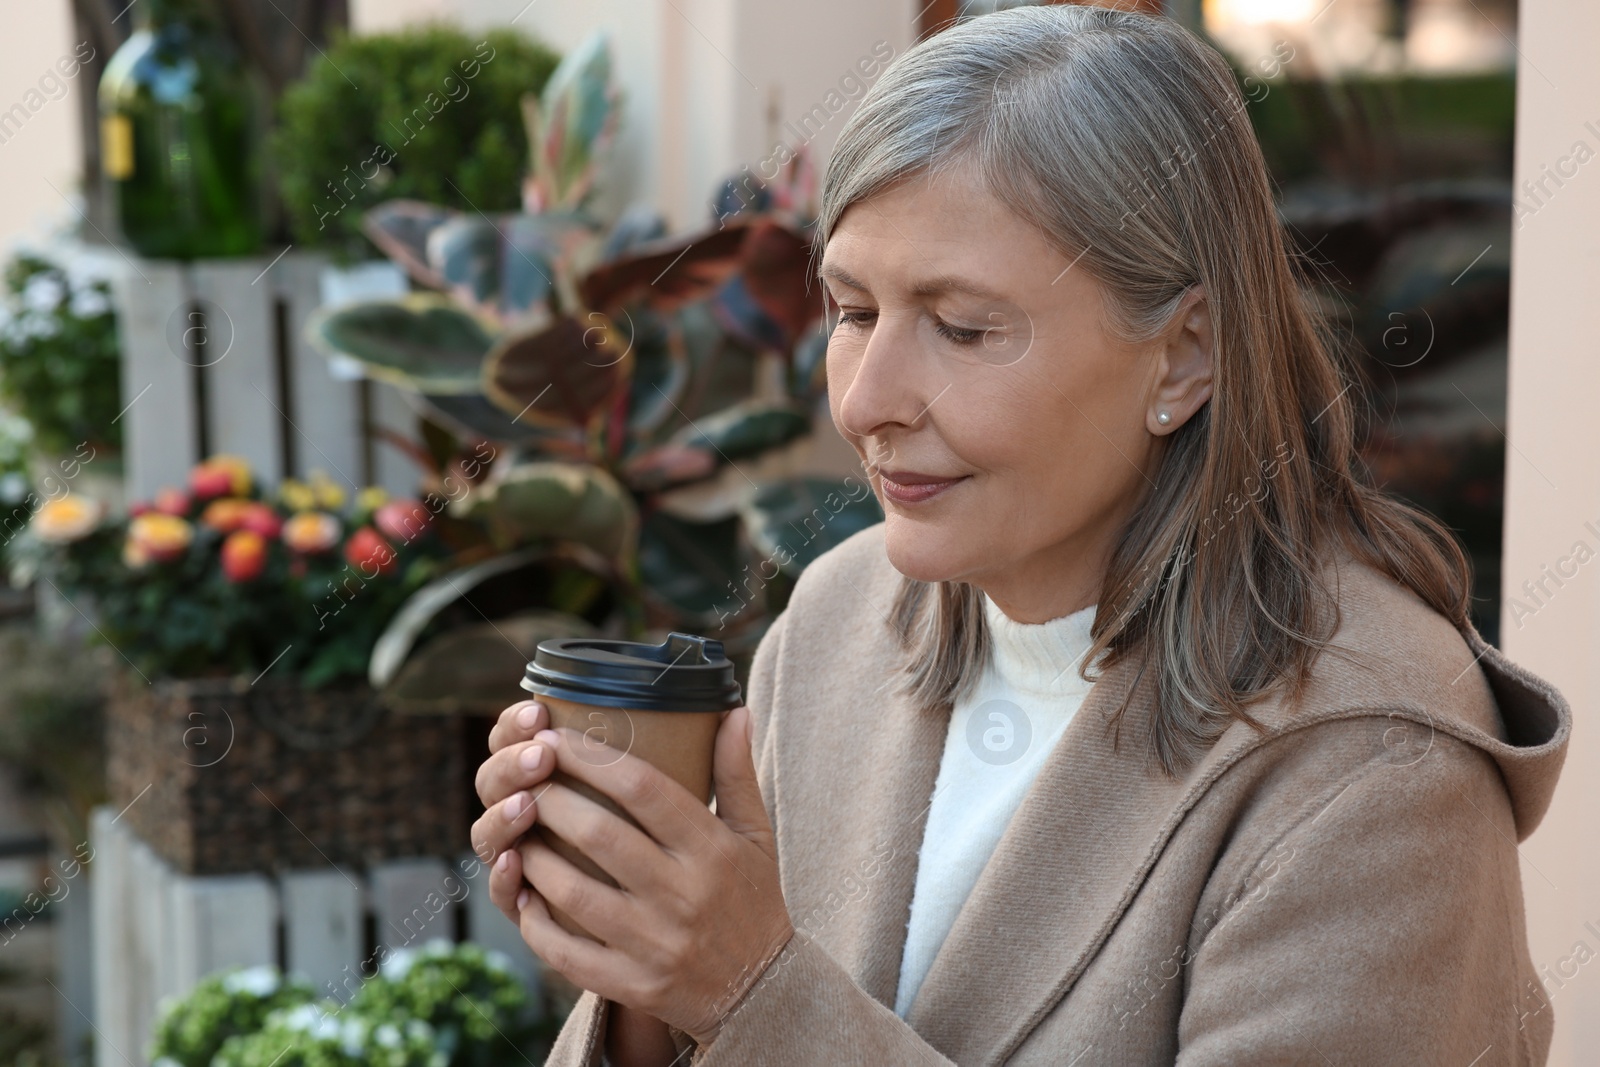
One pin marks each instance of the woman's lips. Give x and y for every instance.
(910, 487)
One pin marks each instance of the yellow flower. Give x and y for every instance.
(296, 496)
(371, 498)
(326, 491)
(154, 536)
(71, 518)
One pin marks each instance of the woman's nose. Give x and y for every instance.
(885, 382)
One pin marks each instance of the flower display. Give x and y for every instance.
(70, 518)
(228, 578)
(310, 532)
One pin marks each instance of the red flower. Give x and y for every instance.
(207, 482)
(260, 518)
(172, 502)
(244, 555)
(403, 520)
(367, 550)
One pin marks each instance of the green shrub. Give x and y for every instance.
(431, 113)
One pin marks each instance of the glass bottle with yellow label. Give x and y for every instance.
(181, 135)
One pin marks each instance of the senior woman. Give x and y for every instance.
(1142, 730)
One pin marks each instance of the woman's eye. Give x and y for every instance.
(856, 319)
(957, 334)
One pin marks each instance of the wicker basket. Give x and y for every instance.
(220, 776)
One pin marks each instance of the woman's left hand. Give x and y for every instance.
(698, 911)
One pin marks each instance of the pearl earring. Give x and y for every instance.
(1163, 417)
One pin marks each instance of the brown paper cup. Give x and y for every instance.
(677, 742)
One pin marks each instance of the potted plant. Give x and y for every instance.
(243, 623)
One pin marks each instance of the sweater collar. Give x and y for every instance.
(1039, 657)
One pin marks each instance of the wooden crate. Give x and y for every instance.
(215, 359)
(157, 932)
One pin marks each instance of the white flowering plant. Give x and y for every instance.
(436, 1005)
(478, 1008)
(191, 1030)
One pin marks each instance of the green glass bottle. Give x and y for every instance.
(181, 136)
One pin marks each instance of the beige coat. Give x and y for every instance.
(1344, 890)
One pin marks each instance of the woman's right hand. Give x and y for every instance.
(508, 785)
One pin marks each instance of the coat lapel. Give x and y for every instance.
(1069, 862)
(849, 862)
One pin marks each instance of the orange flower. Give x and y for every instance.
(244, 555)
(311, 531)
(71, 518)
(156, 536)
(226, 515)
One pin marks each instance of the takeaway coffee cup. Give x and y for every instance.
(662, 703)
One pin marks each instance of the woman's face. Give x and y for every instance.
(1007, 434)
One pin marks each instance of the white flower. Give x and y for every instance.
(497, 961)
(399, 963)
(257, 981)
(44, 293)
(387, 1035)
(353, 1037)
(88, 303)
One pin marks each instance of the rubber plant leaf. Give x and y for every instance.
(548, 500)
(745, 429)
(474, 670)
(401, 229)
(667, 273)
(561, 373)
(794, 521)
(396, 641)
(421, 342)
(570, 127)
(691, 570)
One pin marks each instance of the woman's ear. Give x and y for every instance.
(1183, 366)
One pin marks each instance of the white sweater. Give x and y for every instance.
(998, 739)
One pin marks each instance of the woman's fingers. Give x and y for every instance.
(498, 828)
(585, 963)
(524, 765)
(665, 810)
(506, 884)
(619, 848)
(556, 882)
(517, 723)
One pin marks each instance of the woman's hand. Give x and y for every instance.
(698, 912)
(509, 783)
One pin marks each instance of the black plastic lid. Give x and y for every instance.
(683, 673)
